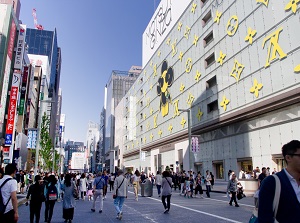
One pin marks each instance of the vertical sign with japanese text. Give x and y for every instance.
(12, 108)
(20, 47)
(23, 91)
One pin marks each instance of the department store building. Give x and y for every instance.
(235, 66)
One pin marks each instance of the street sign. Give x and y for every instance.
(32, 138)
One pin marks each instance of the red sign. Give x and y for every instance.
(12, 110)
(11, 40)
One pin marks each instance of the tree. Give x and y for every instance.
(46, 150)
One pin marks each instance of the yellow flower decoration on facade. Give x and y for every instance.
(179, 26)
(148, 125)
(145, 116)
(151, 136)
(181, 87)
(132, 145)
(188, 65)
(151, 111)
(155, 121)
(187, 32)
(151, 63)
(170, 128)
(151, 86)
(176, 109)
(190, 99)
(145, 139)
(137, 143)
(297, 69)
(168, 41)
(145, 72)
(265, 2)
(232, 25)
(221, 58)
(255, 88)
(251, 34)
(196, 38)
(194, 6)
(174, 49)
(160, 133)
(218, 16)
(237, 70)
(292, 5)
(197, 77)
(159, 53)
(180, 56)
(224, 103)
(199, 114)
(183, 121)
(154, 70)
(148, 102)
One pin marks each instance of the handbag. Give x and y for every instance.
(116, 195)
(254, 216)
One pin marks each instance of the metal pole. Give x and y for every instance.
(140, 158)
(37, 150)
(53, 163)
(190, 138)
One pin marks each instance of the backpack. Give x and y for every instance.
(52, 192)
(2, 205)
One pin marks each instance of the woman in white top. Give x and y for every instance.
(83, 183)
(208, 183)
(158, 180)
(136, 182)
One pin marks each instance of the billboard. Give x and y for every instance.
(20, 47)
(78, 160)
(161, 23)
(42, 61)
(12, 108)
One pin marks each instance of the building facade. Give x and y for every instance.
(92, 142)
(234, 65)
(118, 85)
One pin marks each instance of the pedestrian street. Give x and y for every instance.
(150, 209)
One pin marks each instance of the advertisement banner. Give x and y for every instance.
(20, 47)
(23, 91)
(41, 61)
(12, 108)
(32, 138)
(164, 19)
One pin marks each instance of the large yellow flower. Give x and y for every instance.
(256, 87)
(292, 5)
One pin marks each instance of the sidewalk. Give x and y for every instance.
(21, 199)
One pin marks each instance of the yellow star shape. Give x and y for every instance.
(190, 99)
(148, 125)
(197, 76)
(159, 53)
(265, 2)
(180, 56)
(224, 103)
(194, 6)
(237, 70)
(145, 116)
(168, 41)
(199, 114)
(160, 133)
(251, 34)
(151, 136)
(297, 69)
(187, 32)
(221, 58)
(145, 139)
(170, 128)
(255, 88)
(181, 87)
(218, 16)
(183, 121)
(151, 111)
(179, 26)
(196, 38)
(292, 5)
(154, 70)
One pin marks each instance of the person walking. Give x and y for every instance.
(83, 184)
(9, 195)
(198, 188)
(51, 195)
(120, 193)
(208, 183)
(289, 203)
(136, 183)
(158, 181)
(232, 189)
(105, 177)
(166, 191)
(68, 188)
(36, 194)
(99, 184)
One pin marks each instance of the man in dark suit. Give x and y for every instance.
(289, 203)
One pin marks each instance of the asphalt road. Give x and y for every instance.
(150, 209)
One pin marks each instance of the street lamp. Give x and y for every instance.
(189, 135)
(37, 150)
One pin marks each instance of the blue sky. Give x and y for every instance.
(96, 37)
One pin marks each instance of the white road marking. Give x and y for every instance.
(201, 212)
(252, 206)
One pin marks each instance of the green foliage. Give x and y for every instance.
(46, 150)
